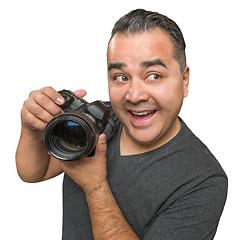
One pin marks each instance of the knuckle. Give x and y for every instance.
(48, 90)
(25, 103)
(35, 94)
(42, 99)
(26, 106)
(32, 94)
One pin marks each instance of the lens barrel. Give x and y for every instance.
(69, 136)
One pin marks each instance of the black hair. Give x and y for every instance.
(140, 20)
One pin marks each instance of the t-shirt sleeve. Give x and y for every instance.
(195, 215)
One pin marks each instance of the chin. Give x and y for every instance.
(145, 137)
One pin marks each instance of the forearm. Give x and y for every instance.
(90, 174)
(108, 222)
(32, 159)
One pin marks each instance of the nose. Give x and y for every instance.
(137, 91)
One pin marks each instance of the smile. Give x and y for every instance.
(142, 116)
(141, 113)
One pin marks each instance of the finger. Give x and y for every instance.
(47, 104)
(53, 95)
(33, 122)
(80, 93)
(39, 112)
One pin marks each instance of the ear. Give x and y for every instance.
(186, 82)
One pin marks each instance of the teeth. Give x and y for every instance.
(141, 113)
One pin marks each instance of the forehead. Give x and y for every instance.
(148, 44)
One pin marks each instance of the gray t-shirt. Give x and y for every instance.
(176, 191)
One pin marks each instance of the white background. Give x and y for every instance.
(63, 44)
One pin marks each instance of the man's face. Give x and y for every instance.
(146, 87)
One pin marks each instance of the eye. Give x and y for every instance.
(153, 77)
(121, 78)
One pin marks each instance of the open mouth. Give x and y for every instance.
(142, 115)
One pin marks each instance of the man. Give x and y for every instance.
(155, 179)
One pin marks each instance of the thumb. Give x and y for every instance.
(101, 146)
(80, 93)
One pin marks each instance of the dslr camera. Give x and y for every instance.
(74, 133)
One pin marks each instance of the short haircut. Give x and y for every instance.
(140, 20)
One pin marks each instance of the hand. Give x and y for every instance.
(89, 172)
(41, 107)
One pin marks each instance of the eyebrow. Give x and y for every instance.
(144, 64)
(116, 65)
(147, 64)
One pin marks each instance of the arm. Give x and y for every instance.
(33, 162)
(193, 214)
(107, 219)
(90, 173)
(32, 159)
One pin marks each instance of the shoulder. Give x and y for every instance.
(196, 153)
(185, 163)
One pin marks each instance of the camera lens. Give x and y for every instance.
(68, 137)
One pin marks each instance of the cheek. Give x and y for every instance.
(169, 97)
(118, 91)
(116, 96)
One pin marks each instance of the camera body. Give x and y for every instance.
(74, 133)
